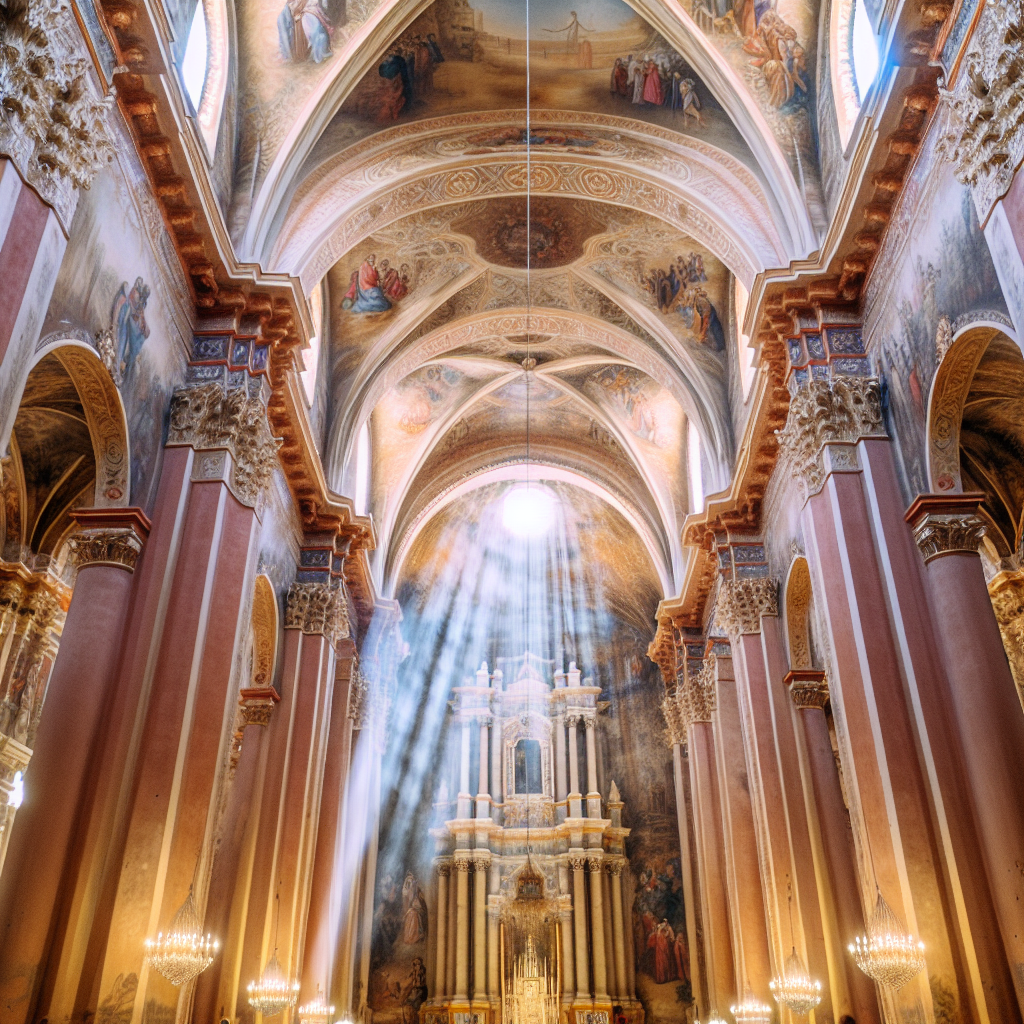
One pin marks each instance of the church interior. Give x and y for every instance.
(511, 514)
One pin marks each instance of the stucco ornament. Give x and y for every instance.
(210, 416)
(986, 104)
(117, 547)
(839, 410)
(53, 125)
(318, 608)
(741, 603)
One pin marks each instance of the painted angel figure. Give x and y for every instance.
(128, 317)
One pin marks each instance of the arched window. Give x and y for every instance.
(204, 66)
(195, 61)
(865, 50)
(311, 355)
(854, 49)
(745, 352)
(362, 495)
(694, 473)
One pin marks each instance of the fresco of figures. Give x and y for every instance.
(398, 975)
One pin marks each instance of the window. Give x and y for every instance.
(694, 473)
(527, 759)
(311, 355)
(194, 63)
(745, 353)
(363, 469)
(865, 50)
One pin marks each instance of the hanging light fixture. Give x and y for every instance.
(750, 1011)
(795, 988)
(317, 1011)
(183, 953)
(273, 992)
(888, 953)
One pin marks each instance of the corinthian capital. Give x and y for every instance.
(108, 536)
(838, 410)
(318, 608)
(946, 524)
(53, 123)
(741, 603)
(808, 688)
(675, 720)
(210, 416)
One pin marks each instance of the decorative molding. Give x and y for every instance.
(256, 704)
(808, 688)
(209, 416)
(52, 123)
(839, 410)
(318, 609)
(986, 143)
(947, 524)
(108, 537)
(741, 603)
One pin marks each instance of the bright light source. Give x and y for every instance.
(528, 510)
(17, 791)
(193, 65)
(865, 50)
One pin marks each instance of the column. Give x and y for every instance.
(462, 866)
(681, 777)
(618, 929)
(568, 953)
(483, 798)
(39, 922)
(593, 796)
(983, 703)
(560, 791)
(452, 951)
(575, 797)
(852, 991)
(595, 861)
(465, 798)
(493, 979)
(480, 862)
(496, 797)
(578, 862)
(441, 930)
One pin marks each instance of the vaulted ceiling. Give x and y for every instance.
(385, 157)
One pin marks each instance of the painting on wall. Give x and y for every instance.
(398, 974)
(938, 266)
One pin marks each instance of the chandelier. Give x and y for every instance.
(887, 953)
(273, 992)
(316, 1011)
(183, 953)
(750, 1011)
(795, 988)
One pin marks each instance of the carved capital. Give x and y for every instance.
(357, 699)
(257, 703)
(614, 868)
(444, 869)
(675, 719)
(946, 524)
(572, 719)
(589, 722)
(986, 140)
(577, 861)
(807, 688)
(53, 123)
(741, 603)
(318, 608)
(208, 416)
(595, 861)
(837, 410)
(700, 695)
(462, 865)
(108, 536)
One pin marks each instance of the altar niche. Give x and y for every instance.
(527, 776)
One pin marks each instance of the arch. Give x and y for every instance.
(218, 62)
(844, 85)
(264, 623)
(798, 614)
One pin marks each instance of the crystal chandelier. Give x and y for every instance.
(795, 988)
(317, 1011)
(273, 992)
(183, 953)
(750, 1011)
(887, 953)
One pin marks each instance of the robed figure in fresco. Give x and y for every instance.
(129, 319)
(304, 31)
(365, 294)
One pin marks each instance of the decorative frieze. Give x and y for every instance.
(946, 524)
(210, 416)
(742, 602)
(53, 124)
(318, 609)
(986, 105)
(837, 410)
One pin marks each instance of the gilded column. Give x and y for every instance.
(480, 864)
(565, 920)
(575, 797)
(578, 863)
(462, 866)
(593, 796)
(441, 930)
(596, 862)
(618, 928)
(560, 791)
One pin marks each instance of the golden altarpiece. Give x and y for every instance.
(527, 832)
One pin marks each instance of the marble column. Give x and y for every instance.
(568, 952)
(480, 864)
(983, 703)
(852, 991)
(593, 796)
(493, 952)
(575, 797)
(483, 797)
(681, 777)
(452, 951)
(40, 922)
(441, 930)
(462, 867)
(595, 861)
(618, 929)
(578, 863)
(465, 798)
(560, 791)
(497, 813)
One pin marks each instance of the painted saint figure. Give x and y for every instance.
(414, 912)
(365, 294)
(129, 320)
(304, 31)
